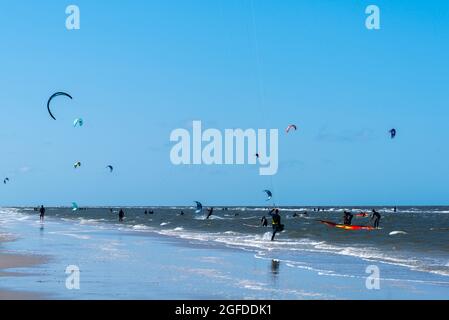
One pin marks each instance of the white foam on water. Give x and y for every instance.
(393, 233)
(140, 227)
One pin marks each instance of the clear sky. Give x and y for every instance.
(139, 69)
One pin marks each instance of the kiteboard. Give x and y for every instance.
(346, 227)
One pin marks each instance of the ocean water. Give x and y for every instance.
(410, 247)
(422, 243)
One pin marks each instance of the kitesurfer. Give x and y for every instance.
(347, 218)
(276, 222)
(375, 217)
(121, 215)
(264, 221)
(42, 213)
(209, 212)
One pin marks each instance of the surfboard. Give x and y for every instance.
(345, 227)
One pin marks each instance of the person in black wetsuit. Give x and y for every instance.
(182, 213)
(121, 215)
(376, 217)
(41, 213)
(276, 222)
(209, 212)
(347, 218)
(264, 221)
(146, 211)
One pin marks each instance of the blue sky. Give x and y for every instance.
(139, 69)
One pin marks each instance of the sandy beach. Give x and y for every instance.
(17, 262)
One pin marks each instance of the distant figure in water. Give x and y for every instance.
(42, 213)
(182, 213)
(295, 215)
(236, 215)
(121, 215)
(151, 212)
(146, 211)
(264, 221)
(376, 217)
(209, 212)
(276, 222)
(395, 209)
(347, 218)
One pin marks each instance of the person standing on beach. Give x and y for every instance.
(42, 213)
(376, 217)
(121, 215)
(276, 222)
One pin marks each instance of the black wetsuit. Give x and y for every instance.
(376, 217)
(210, 211)
(264, 221)
(121, 215)
(276, 222)
(42, 213)
(347, 219)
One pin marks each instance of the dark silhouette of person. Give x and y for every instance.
(347, 218)
(209, 212)
(182, 213)
(146, 211)
(376, 217)
(276, 222)
(121, 215)
(42, 213)
(264, 221)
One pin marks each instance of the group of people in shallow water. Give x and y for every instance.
(375, 217)
(347, 219)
